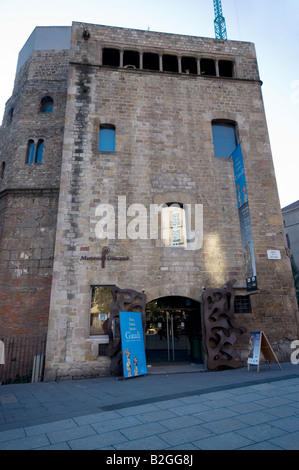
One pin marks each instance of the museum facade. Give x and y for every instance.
(137, 175)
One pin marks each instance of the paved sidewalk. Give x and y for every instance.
(233, 409)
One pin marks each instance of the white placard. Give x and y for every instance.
(273, 254)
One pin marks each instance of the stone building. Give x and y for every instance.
(290, 216)
(138, 164)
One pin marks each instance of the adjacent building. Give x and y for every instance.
(136, 170)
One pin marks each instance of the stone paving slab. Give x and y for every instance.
(248, 415)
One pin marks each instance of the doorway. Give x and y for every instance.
(173, 331)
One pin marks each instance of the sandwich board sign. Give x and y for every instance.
(132, 344)
(258, 343)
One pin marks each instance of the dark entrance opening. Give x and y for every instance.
(173, 331)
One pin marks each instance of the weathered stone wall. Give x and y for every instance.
(164, 153)
(28, 225)
(29, 193)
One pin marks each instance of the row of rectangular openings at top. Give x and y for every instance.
(170, 63)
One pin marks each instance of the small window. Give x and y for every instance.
(2, 170)
(170, 63)
(30, 151)
(39, 151)
(111, 57)
(189, 65)
(46, 104)
(242, 304)
(208, 67)
(101, 298)
(150, 61)
(174, 225)
(131, 59)
(226, 68)
(107, 138)
(10, 115)
(224, 139)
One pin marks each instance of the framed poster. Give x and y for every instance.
(132, 344)
(254, 348)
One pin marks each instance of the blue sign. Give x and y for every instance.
(244, 217)
(240, 180)
(132, 343)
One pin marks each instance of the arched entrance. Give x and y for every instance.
(173, 331)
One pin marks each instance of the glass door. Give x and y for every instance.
(173, 333)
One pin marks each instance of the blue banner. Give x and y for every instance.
(240, 180)
(244, 216)
(132, 343)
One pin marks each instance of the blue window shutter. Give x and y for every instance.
(107, 139)
(30, 151)
(39, 151)
(224, 138)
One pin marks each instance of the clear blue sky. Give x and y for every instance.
(272, 25)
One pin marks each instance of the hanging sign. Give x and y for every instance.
(258, 343)
(244, 217)
(132, 343)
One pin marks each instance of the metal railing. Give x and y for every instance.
(22, 359)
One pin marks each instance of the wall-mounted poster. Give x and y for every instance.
(132, 343)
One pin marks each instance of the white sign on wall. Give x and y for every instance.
(273, 254)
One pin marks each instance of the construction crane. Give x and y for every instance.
(219, 22)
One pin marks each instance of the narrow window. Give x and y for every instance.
(131, 59)
(2, 170)
(224, 139)
(189, 65)
(10, 115)
(46, 104)
(30, 151)
(174, 225)
(39, 151)
(150, 61)
(111, 57)
(107, 138)
(208, 67)
(101, 298)
(170, 63)
(226, 68)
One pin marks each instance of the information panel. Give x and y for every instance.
(258, 343)
(254, 348)
(132, 343)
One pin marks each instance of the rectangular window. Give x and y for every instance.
(111, 57)
(242, 304)
(101, 298)
(208, 67)
(224, 139)
(107, 138)
(226, 68)
(174, 225)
